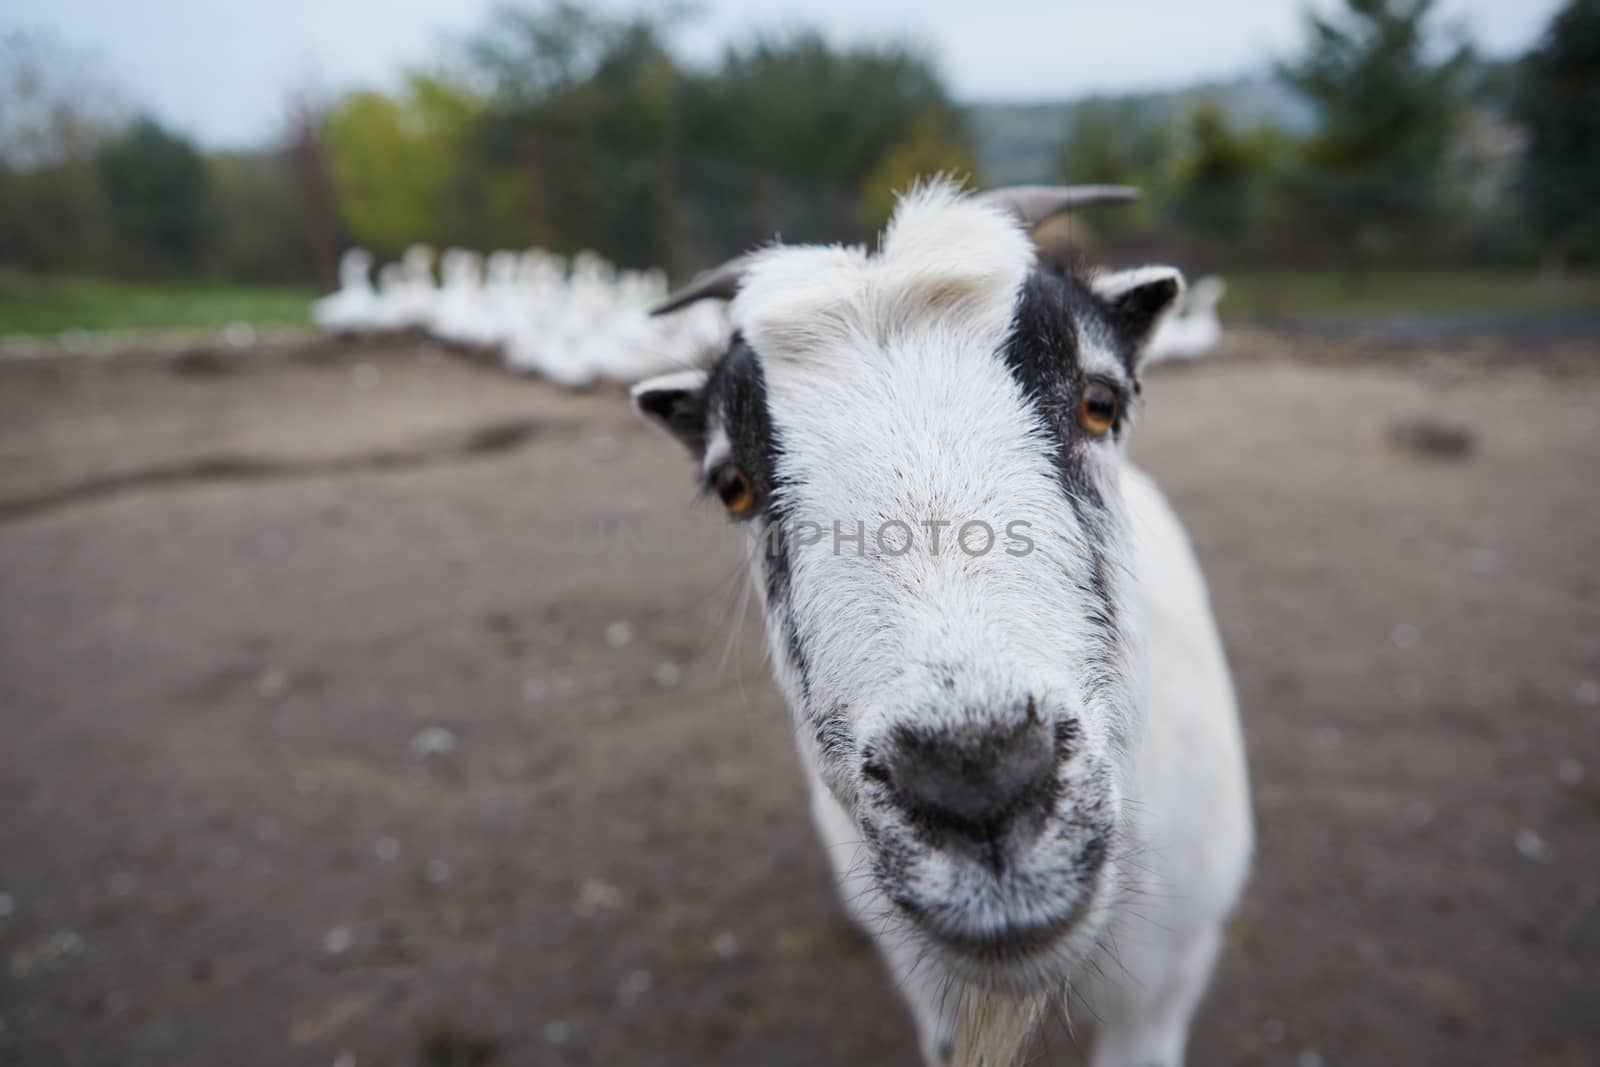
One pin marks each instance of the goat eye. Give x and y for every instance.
(734, 489)
(1097, 408)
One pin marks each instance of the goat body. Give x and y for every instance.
(1023, 749)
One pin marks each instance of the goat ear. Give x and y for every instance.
(676, 402)
(1136, 300)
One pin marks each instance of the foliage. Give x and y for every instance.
(619, 146)
(1371, 175)
(397, 162)
(54, 217)
(256, 230)
(796, 106)
(930, 150)
(1558, 102)
(787, 129)
(583, 113)
(157, 192)
(1224, 176)
(1119, 142)
(53, 114)
(572, 127)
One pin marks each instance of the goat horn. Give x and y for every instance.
(1033, 204)
(719, 282)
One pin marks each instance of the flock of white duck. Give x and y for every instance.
(573, 324)
(588, 321)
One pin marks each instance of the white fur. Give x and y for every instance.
(886, 387)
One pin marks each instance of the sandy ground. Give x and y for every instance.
(370, 707)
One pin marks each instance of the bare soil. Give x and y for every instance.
(368, 706)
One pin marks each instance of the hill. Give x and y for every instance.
(1017, 142)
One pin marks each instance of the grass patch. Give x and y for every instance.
(33, 306)
(45, 307)
(1331, 294)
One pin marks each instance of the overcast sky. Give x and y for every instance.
(221, 69)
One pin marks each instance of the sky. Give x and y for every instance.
(221, 70)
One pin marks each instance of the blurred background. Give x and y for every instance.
(364, 703)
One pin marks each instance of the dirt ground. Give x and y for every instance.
(369, 707)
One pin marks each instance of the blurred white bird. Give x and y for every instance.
(353, 307)
(573, 328)
(462, 314)
(406, 291)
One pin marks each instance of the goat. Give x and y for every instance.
(1023, 750)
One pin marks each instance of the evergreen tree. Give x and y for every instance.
(1558, 103)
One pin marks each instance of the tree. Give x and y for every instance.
(584, 109)
(929, 150)
(156, 188)
(1118, 142)
(804, 125)
(1222, 179)
(54, 113)
(1558, 103)
(257, 231)
(398, 163)
(1372, 175)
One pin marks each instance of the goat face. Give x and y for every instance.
(926, 445)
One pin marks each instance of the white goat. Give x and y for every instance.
(1024, 755)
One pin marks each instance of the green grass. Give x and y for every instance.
(1331, 294)
(33, 306)
(46, 306)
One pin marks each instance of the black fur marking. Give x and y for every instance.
(1053, 312)
(736, 400)
(1068, 733)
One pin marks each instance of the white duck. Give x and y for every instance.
(406, 291)
(546, 323)
(463, 315)
(353, 307)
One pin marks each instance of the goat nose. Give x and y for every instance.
(974, 784)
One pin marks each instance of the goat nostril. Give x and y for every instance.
(972, 785)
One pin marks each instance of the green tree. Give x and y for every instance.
(800, 126)
(156, 189)
(1372, 177)
(1223, 177)
(397, 162)
(1558, 103)
(257, 229)
(584, 109)
(54, 115)
(929, 150)
(1122, 143)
